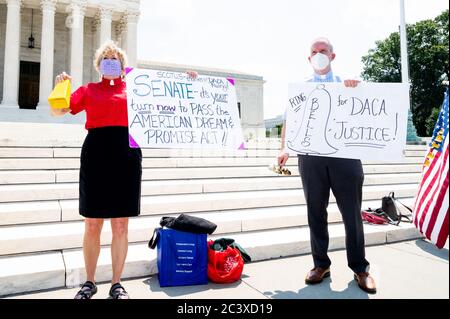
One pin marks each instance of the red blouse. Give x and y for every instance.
(105, 104)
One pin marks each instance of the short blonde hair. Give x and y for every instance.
(107, 48)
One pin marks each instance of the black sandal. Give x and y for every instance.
(118, 292)
(88, 290)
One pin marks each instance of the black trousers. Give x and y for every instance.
(345, 178)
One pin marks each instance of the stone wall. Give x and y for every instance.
(62, 43)
(249, 88)
(250, 95)
(27, 54)
(2, 44)
(61, 60)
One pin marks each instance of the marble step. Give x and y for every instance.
(252, 150)
(72, 135)
(68, 176)
(182, 153)
(31, 272)
(63, 152)
(16, 134)
(66, 267)
(53, 236)
(26, 152)
(74, 163)
(42, 192)
(67, 210)
(275, 143)
(28, 177)
(11, 177)
(29, 212)
(189, 203)
(70, 152)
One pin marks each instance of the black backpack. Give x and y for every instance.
(389, 207)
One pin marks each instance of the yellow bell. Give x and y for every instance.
(60, 96)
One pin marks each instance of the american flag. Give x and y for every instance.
(431, 207)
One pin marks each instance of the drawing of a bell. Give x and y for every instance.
(311, 137)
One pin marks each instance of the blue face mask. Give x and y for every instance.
(110, 67)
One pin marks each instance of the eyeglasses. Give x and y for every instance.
(280, 170)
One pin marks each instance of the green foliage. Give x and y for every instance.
(274, 132)
(428, 50)
(279, 128)
(430, 123)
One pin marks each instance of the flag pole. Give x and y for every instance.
(411, 136)
(403, 44)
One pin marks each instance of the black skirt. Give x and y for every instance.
(110, 174)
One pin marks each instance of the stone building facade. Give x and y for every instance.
(41, 38)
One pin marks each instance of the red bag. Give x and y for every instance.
(225, 266)
(372, 217)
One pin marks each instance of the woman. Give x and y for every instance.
(110, 171)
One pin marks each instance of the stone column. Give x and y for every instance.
(120, 33)
(131, 18)
(96, 32)
(47, 51)
(76, 24)
(105, 24)
(12, 54)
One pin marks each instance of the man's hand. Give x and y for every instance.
(192, 74)
(351, 83)
(282, 158)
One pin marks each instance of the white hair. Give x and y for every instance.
(323, 40)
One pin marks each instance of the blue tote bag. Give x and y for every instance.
(182, 258)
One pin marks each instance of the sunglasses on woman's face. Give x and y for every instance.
(280, 170)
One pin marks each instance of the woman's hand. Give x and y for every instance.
(62, 77)
(192, 74)
(59, 112)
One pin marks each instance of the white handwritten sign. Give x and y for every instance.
(367, 122)
(171, 110)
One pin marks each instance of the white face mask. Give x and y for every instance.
(320, 62)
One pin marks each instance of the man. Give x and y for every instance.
(344, 177)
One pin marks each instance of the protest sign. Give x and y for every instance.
(171, 110)
(367, 122)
